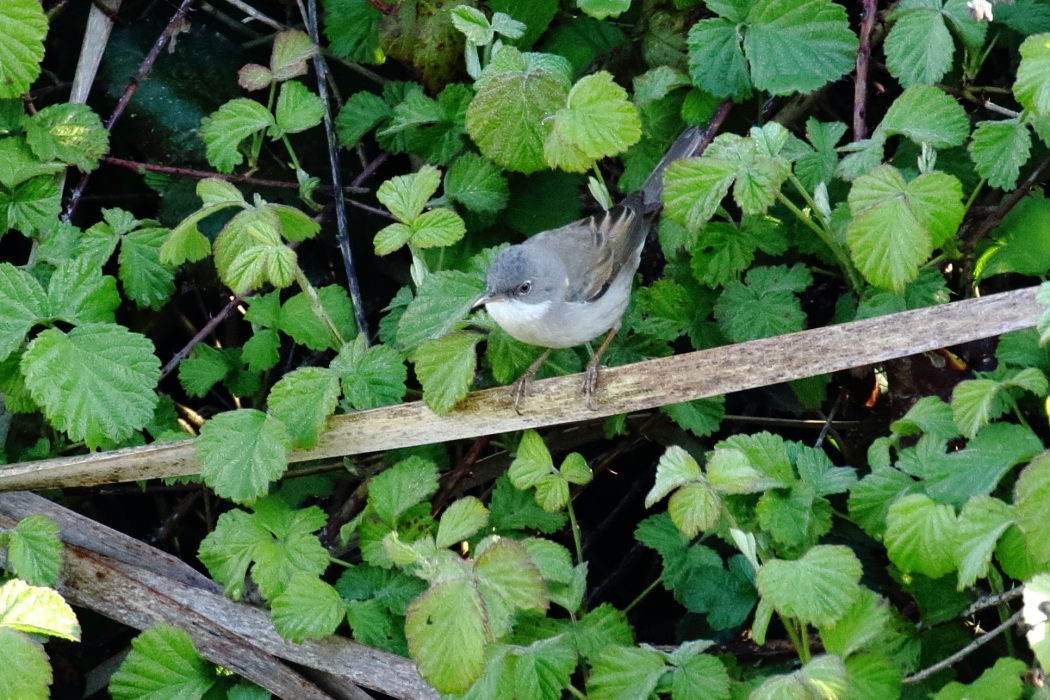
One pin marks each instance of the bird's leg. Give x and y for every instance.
(590, 379)
(521, 387)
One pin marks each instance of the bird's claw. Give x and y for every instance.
(521, 390)
(590, 383)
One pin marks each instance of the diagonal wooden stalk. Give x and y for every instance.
(638, 387)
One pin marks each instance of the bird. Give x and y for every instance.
(566, 286)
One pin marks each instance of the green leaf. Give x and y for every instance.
(34, 551)
(24, 302)
(920, 535)
(1017, 247)
(395, 490)
(298, 108)
(23, 27)
(476, 183)
(241, 452)
(291, 48)
(597, 121)
(532, 463)
(406, 195)
(798, 45)
(818, 589)
(600, 9)
(96, 382)
(462, 519)
(694, 188)
(299, 320)
(998, 151)
(352, 27)
(623, 672)
(695, 508)
(716, 58)
(442, 301)
(27, 672)
(765, 304)
(203, 369)
(226, 128)
(437, 228)
(511, 510)
(31, 206)
(982, 521)
(447, 632)
(473, 23)
(925, 114)
(701, 677)
(865, 621)
(288, 547)
(896, 225)
(919, 47)
(302, 400)
(147, 281)
(37, 610)
(162, 663)
(675, 468)
(1032, 87)
(1031, 501)
(71, 133)
(361, 113)
(1003, 681)
(79, 293)
(508, 117)
(308, 608)
(509, 581)
(229, 549)
(819, 164)
(371, 377)
(445, 367)
(822, 677)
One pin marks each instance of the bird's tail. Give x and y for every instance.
(683, 147)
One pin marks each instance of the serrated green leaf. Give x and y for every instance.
(473, 23)
(394, 491)
(675, 468)
(302, 400)
(865, 621)
(79, 293)
(442, 302)
(71, 133)
(600, 9)
(146, 281)
(226, 128)
(532, 463)
(1031, 499)
(508, 117)
(896, 225)
(998, 151)
(981, 522)
(977, 402)
(764, 304)
(37, 610)
(31, 206)
(927, 115)
(298, 108)
(476, 183)
(597, 120)
(229, 549)
(1032, 87)
(299, 320)
(34, 551)
(445, 367)
(623, 672)
(203, 369)
(716, 59)
(575, 469)
(370, 377)
(822, 677)
(1017, 246)
(1003, 681)
(241, 452)
(27, 673)
(694, 508)
(291, 48)
(352, 26)
(308, 608)
(438, 227)
(508, 581)
(695, 187)
(462, 519)
(798, 45)
(24, 302)
(919, 535)
(406, 195)
(818, 588)
(162, 663)
(23, 27)
(361, 113)
(919, 47)
(96, 382)
(447, 632)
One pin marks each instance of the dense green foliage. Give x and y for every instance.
(855, 563)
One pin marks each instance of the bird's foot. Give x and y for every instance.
(521, 387)
(590, 382)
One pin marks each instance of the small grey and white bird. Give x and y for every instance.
(564, 287)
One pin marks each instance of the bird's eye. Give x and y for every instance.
(525, 287)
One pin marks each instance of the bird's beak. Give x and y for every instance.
(482, 300)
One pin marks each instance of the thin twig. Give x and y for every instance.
(342, 229)
(967, 239)
(860, 86)
(965, 651)
(989, 601)
(203, 174)
(174, 24)
(203, 333)
(256, 15)
(451, 480)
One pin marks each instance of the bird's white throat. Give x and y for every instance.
(524, 321)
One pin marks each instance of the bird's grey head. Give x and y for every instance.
(522, 274)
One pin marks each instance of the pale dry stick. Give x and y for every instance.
(637, 387)
(140, 586)
(256, 15)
